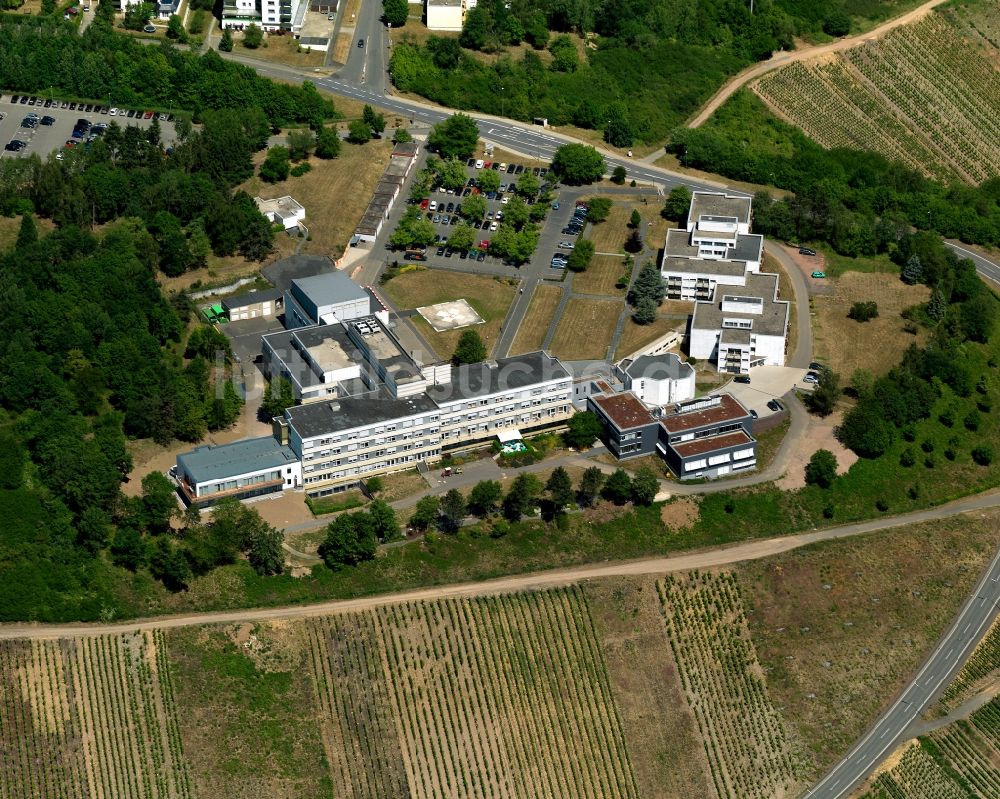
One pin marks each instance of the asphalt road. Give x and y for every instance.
(890, 730)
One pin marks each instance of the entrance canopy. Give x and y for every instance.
(506, 436)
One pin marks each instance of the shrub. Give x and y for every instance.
(972, 421)
(821, 469)
(299, 170)
(947, 418)
(882, 505)
(907, 458)
(863, 311)
(983, 455)
(927, 446)
(828, 511)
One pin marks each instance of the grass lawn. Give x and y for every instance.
(335, 193)
(490, 297)
(336, 502)
(846, 345)
(400, 485)
(768, 443)
(507, 157)
(602, 275)
(10, 225)
(535, 325)
(841, 626)
(837, 265)
(414, 31)
(609, 236)
(585, 329)
(282, 50)
(635, 337)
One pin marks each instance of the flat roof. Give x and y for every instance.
(285, 206)
(747, 248)
(407, 149)
(703, 266)
(772, 321)
(728, 409)
(330, 288)
(710, 203)
(386, 349)
(701, 446)
(253, 298)
(282, 273)
(347, 413)
(735, 335)
(328, 344)
(220, 461)
(668, 366)
(625, 410)
(504, 374)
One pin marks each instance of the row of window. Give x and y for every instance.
(371, 455)
(242, 482)
(403, 461)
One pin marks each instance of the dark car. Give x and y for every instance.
(47, 120)
(440, 251)
(470, 162)
(481, 256)
(741, 379)
(817, 366)
(511, 168)
(14, 98)
(568, 231)
(463, 255)
(806, 251)
(496, 165)
(449, 252)
(454, 220)
(414, 256)
(774, 405)
(519, 170)
(14, 146)
(535, 171)
(24, 99)
(361, 42)
(466, 192)
(753, 413)
(450, 208)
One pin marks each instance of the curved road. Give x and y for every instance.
(783, 59)
(721, 556)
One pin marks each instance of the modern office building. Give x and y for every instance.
(628, 428)
(707, 437)
(657, 379)
(324, 299)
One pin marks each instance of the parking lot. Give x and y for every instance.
(45, 138)
(443, 208)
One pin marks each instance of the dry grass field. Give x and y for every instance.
(634, 336)
(490, 297)
(601, 276)
(585, 329)
(877, 345)
(10, 225)
(609, 236)
(282, 50)
(840, 627)
(335, 193)
(536, 322)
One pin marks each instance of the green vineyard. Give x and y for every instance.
(748, 752)
(924, 95)
(91, 717)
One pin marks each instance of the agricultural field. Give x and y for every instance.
(981, 668)
(744, 737)
(926, 94)
(91, 717)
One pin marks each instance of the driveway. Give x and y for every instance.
(767, 383)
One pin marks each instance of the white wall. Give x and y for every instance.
(663, 392)
(703, 343)
(444, 18)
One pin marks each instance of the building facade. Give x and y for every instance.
(658, 379)
(707, 437)
(241, 470)
(251, 306)
(628, 429)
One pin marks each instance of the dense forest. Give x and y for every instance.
(43, 55)
(647, 64)
(857, 201)
(92, 353)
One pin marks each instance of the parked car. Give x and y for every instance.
(424, 204)
(440, 251)
(47, 121)
(819, 274)
(753, 414)
(816, 366)
(450, 208)
(432, 205)
(414, 256)
(482, 256)
(463, 255)
(567, 245)
(436, 218)
(15, 146)
(519, 169)
(774, 405)
(810, 378)
(555, 206)
(480, 163)
(494, 226)
(511, 168)
(806, 251)
(741, 379)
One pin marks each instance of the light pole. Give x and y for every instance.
(502, 98)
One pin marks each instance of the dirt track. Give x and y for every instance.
(722, 556)
(783, 59)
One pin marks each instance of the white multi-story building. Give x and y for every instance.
(744, 330)
(658, 379)
(271, 15)
(324, 299)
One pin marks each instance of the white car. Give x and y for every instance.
(433, 206)
(810, 379)
(479, 163)
(566, 245)
(494, 226)
(113, 112)
(505, 200)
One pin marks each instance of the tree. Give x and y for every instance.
(598, 209)
(327, 143)
(168, 564)
(618, 132)
(645, 486)
(301, 143)
(396, 12)
(978, 317)
(677, 204)
(128, 549)
(159, 502)
(577, 164)
(452, 510)
(521, 497)
(536, 30)
(633, 244)
(375, 121)
(564, 55)
(278, 395)
(822, 469)
(175, 29)
(983, 455)
(823, 398)
(27, 232)
(350, 540)
(358, 132)
(582, 430)
(470, 348)
(137, 16)
(384, 523)
(866, 431)
(516, 214)
(591, 482)
(451, 173)
(937, 306)
(645, 312)
(253, 36)
(226, 42)
(488, 180)
(276, 165)
(208, 342)
(635, 219)
(863, 311)
(264, 549)
(401, 135)
(455, 137)
(528, 185)
(560, 488)
(837, 22)
(648, 285)
(426, 513)
(618, 175)
(474, 207)
(618, 487)
(374, 485)
(581, 255)
(462, 238)
(485, 498)
(913, 270)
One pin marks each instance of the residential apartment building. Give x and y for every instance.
(271, 15)
(447, 15)
(707, 437)
(742, 330)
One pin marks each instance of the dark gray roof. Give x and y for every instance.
(703, 266)
(747, 248)
(314, 40)
(504, 374)
(329, 288)
(734, 335)
(218, 462)
(253, 298)
(347, 413)
(678, 244)
(284, 343)
(659, 367)
(282, 273)
(705, 203)
(772, 322)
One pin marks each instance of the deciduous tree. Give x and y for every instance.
(583, 430)
(470, 349)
